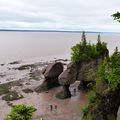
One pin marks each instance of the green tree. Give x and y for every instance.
(84, 51)
(110, 71)
(83, 39)
(101, 47)
(21, 112)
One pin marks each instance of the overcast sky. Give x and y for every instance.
(91, 15)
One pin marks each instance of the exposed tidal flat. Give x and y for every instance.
(24, 54)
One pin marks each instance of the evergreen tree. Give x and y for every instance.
(86, 51)
(116, 50)
(99, 38)
(83, 38)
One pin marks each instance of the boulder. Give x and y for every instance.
(65, 93)
(65, 79)
(68, 76)
(53, 70)
(51, 73)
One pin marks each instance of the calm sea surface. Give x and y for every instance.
(32, 45)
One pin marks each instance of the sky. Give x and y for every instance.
(68, 15)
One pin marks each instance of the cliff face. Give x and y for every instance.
(106, 100)
(104, 106)
(85, 72)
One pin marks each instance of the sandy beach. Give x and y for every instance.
(67, 109)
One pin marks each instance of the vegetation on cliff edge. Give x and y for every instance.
(104, 105)
(84, 51)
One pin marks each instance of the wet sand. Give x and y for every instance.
(67, 109)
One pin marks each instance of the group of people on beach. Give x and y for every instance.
(55, 107)
(51, 107)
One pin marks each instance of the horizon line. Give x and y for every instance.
(52, 30)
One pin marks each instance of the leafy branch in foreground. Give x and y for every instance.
(116, 16)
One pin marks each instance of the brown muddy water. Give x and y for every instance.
(33, 45)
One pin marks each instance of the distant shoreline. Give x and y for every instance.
(67, 31)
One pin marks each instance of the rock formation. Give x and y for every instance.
(105, 106)
(85, 72)
(66, 78)
(51, 73)
(105, 103)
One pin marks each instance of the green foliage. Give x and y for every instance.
(86, 115)
(111, 117)
(116, 16)
(110, 71)
(101, 47)
(84, 51)
(21, 112)
(92, 96)
(85, 111)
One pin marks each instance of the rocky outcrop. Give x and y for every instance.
(104, 105)
(85, 72)
(65, 79)
(51, 73)
(69, 75)
(88, 73)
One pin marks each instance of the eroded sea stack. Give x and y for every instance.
(85, 72)
(51, 73)
(65, 79)
(86, 59)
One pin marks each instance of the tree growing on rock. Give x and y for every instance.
(101, 47)
(84, 51)
(106, 100)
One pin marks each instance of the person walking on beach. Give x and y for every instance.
(74, 91)
(56, 107)
(51, 107)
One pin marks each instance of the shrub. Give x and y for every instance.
(92, 96)
(21, 112)
(85, 110)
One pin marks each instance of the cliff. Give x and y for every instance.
(105, 103)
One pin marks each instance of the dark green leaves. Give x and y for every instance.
(116, 16)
